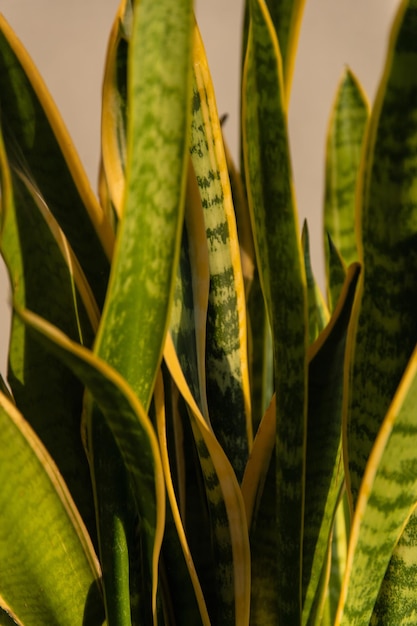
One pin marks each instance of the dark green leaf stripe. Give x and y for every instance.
(385, 501)
(324, 466)
(343, 155)
(135, 317)
(281, 267)
(385, 330)
(39, 146)
(397, 601)
(49, 573)
(226, 354)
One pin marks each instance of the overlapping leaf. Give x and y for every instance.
(49, 572)
(385, 330)
(281, 267)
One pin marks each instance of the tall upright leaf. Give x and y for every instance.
(345, 140)
(384, 331)
(226, 350)
(282, 275)
(135, 317)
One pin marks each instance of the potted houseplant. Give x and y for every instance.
(191, 433)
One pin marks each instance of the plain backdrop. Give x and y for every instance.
(67, 41)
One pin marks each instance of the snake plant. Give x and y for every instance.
(191, 432)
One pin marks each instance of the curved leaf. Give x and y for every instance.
(132, 432)
(45, 276)
(227, 513)
(38, 146)
(386, 499)
(49, 572)
(384, 328)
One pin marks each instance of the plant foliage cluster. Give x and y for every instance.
(191, 433)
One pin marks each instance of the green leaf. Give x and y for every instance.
(183, 588)
(140, 293)
(189, 311)
(281, 267)
(386, 499)
(259, 494)
(324, 465)
(131, 429)
(229, 533)
(384, 328)
(49, 572)
(114, 108)
(336, 273)
(345, 138)
(227, 376)
(318, 315)
(39, 148)
(397, 603)
(46, 277)
(286, 17)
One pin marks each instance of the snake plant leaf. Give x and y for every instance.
(345, 139)
(131, 429)
(336, 273)
(114, 107)
(281, 266)
(49, 572)
(318, 315)
(384, 328)
(396, 602)
(226, 351)
(340, 538)
(39, 147)
(324, 466)
(227, 512)
(126, 593)
(259, 494)
(189, 311)
(261, 357)
(6, 619)
(45, 276)
(286, 17)
(135, 317)
(243, 223)
(179, 589)
(386, 500)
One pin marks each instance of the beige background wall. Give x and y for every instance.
(68, 39)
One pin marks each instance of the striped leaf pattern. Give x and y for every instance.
(324, 466)
(345, 140)
(147, 249)
(384, 332)
(282, 276)
(226, 357)
(386, 499)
